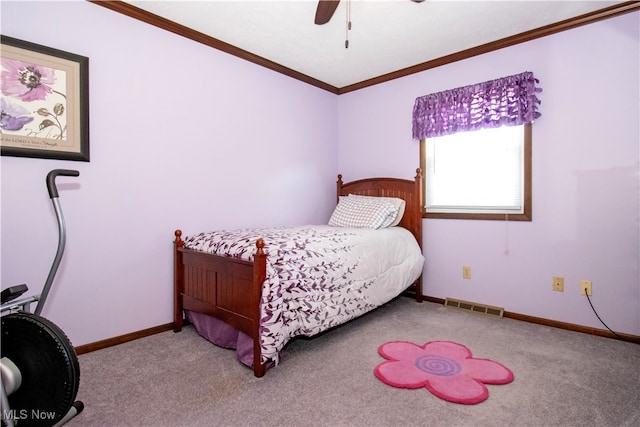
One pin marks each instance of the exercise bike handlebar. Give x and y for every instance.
(53, 194)
(51, 180)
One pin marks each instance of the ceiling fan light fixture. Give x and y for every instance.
(326, 9)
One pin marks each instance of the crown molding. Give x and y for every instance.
(181, 30)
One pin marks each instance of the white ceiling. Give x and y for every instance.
(386, 35)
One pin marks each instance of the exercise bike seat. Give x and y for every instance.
(12, 293)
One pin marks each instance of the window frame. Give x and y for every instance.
(526, 215)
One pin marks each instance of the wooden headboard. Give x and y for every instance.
(410, 191)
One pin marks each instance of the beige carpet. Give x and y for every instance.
(562, 378)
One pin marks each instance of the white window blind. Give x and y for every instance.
(476, 172)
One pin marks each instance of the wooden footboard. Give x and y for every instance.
(226, 288)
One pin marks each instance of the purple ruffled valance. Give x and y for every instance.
(508, 101)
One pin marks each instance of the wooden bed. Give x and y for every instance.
(230, 289)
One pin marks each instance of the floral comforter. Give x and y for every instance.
(319, 277)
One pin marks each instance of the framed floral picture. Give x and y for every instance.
(44, 97)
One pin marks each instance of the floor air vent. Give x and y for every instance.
(474, 307)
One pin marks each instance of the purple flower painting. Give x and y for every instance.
(12, 116)
(30, 91)
(44, 94)
(27, 82)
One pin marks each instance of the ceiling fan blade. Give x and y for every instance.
(325, 11)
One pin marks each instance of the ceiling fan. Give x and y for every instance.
(326, 8)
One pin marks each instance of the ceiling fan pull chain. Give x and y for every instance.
(346, 42)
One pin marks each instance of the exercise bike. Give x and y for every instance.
(39, 366)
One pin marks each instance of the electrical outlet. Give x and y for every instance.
(466, 272)
(585, 284)
(558, 284)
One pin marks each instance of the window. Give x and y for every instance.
(475, 148)
(482, 174)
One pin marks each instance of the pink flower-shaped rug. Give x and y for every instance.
(447, 369)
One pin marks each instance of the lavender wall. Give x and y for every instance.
(181, 136)
(585, 177)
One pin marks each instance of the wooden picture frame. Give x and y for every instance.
(44, 94)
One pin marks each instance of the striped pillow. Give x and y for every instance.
(356, 212)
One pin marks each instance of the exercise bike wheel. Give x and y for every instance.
(49, 367)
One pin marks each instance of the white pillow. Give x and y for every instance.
(399, 203)
(355, 212)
